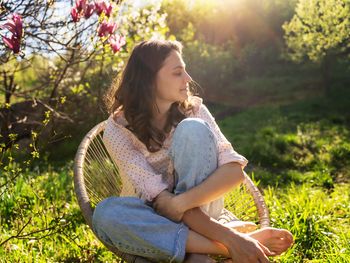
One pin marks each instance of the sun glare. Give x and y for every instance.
(192, 3)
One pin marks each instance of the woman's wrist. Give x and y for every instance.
(181, 203)
(229, 239)
(166, 205)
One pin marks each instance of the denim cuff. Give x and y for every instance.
(180, 244)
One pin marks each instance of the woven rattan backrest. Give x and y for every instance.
(100, 173)
(95, 178)
(247, 203)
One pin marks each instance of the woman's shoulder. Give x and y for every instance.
(115, 123)
(116, 131)
(118, 118)
(198, 107)
(196, 103)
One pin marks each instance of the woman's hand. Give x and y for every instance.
(243, 248)
(165, 205)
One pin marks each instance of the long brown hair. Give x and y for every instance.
(134, 92)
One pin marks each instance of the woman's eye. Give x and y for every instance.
(178, 73)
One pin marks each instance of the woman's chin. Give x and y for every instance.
(185, 95)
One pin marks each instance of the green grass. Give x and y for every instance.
(308, 140)
(299, 155)
(55, 231)
(318, 219)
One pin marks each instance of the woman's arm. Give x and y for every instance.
(228, 175)
(240, 247)
(218, 183)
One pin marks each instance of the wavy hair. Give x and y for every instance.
(134, 92)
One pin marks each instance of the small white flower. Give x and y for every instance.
(14, 247)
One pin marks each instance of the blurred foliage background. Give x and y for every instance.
(275, 74)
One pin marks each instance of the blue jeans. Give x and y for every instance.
(134, 227)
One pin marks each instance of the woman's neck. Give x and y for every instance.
(160, 115)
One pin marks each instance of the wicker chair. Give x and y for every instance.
(96, 177)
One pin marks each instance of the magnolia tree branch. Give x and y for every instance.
(47, 31)
(62, 55)
(46, 25)
(32, 235)
(18, 233)
(65, 38)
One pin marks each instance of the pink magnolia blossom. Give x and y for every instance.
(102, 6)
(75, 15)
(108, 9)
(106, 28)
(89, 10)
(13, 43)
(82, 8)
(15, 25)
(80, 5)
(116, 42)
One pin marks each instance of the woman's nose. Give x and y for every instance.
(187, 77)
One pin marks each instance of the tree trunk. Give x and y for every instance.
(326, 68)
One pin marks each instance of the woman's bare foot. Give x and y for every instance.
(275, 239)
(242, 226)
(198, 258)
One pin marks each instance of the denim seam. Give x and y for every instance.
(180, 246)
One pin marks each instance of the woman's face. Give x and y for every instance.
(172, 80)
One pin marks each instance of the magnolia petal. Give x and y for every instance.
(116, 42)
(19, 25)
(108, 10)
(10, 25)
(90, 8)
(8, 42)
(16, 46)
(80, 5)
(99, 7)
(13, 43)
(75, 15)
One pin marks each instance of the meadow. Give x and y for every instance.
(278, 85)
(299, 157)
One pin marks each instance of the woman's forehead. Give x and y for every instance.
(173, 61)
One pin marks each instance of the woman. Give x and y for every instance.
(169, 148)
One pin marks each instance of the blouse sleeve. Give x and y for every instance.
(226, 152)
(132, 163)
